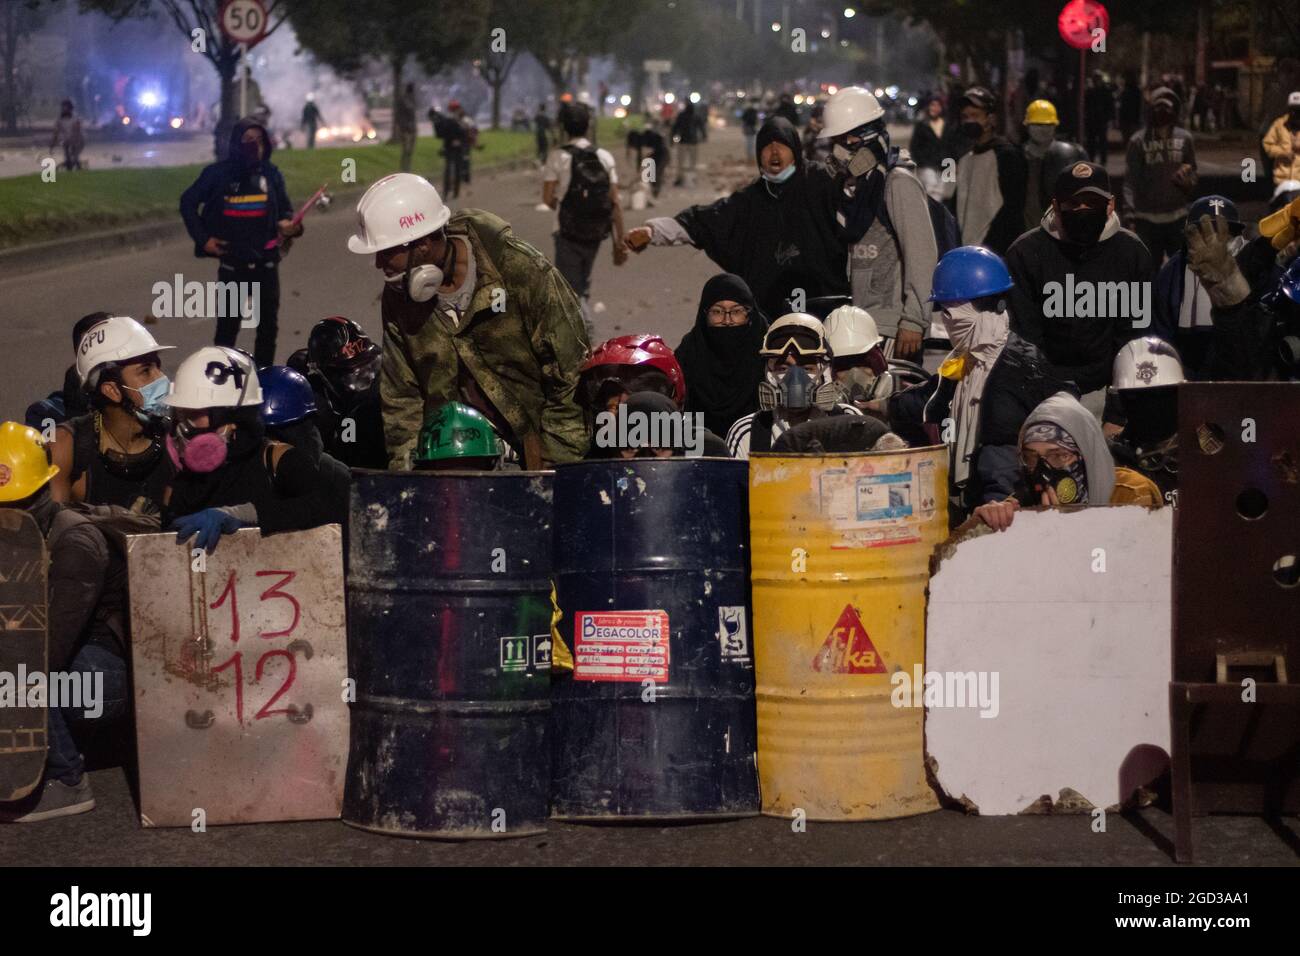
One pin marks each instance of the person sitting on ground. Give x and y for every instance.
(231, 475)
(71, 401)
(1064, 461)
(113, 455)
(289, 414)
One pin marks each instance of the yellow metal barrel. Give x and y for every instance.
(841, 549)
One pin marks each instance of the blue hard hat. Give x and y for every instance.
(287, 397)
(969, 272)
(1216, 206)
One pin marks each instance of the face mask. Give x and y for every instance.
(250, 153)
(151, 398)
(1070, 484)
(795, 390)
(1083, 226)
(204, 453)
(972, 130)
(961, 320)
(1042, 134)
(780, 177)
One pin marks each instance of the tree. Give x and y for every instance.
(516, 19)
(18, 19)
(346, 34)
(198, 20)
(573, 30)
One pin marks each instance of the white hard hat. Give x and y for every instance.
(1147, 363)
(215, 377)
(118, 338)
(848, 109)
(851, 331)
(396, 210)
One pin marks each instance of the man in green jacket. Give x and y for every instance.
(471, 314)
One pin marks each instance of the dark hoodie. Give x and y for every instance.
(238, 201)
(722, 365)
(776, 236)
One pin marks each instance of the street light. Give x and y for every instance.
(776, 27)
(849, 13)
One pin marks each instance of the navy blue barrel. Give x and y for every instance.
(449, 644)
(656, 719)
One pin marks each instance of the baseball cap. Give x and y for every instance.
(1216, 206)
(979, 97)
(1164, 96)
(1082, 178)
(1293, 99)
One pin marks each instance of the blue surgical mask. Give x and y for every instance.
(152, 395)
(782, 176)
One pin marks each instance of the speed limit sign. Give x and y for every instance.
(243, 21)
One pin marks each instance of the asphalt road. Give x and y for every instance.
(111, 835)
(656, 291)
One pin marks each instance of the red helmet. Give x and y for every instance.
(641, 349)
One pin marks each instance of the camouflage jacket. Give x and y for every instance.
(524, 354)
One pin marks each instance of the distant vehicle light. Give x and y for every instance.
(798, 99)
(879, 92)
(911, 101)
(149, 98)
(669, 98)
(626, 99)
(832, 90)
(695, 97)
(177, 122)
(776, 27)
(849, 13)
(620, 113)
(126, 121)
(826, 34)
(371, 134)
(892, 90)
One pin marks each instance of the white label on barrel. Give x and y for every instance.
(620, 645)
(733, 633)
(872, 509)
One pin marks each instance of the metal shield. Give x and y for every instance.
(23, 637)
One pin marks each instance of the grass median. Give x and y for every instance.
(33, 211)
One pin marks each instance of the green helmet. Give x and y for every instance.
(454, 430)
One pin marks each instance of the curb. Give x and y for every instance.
(24, 260)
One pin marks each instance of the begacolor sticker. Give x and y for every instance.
(620, 645)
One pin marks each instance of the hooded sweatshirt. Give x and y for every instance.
(991, 183)
(1049, 272)
(238, 201)
(1065, 411)
(778, 237)
(722, 365)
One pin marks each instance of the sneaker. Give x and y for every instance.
(52, 799)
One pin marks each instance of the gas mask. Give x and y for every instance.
(201, 450)
(858, 162)
(795, 390)
(421, 282)
(861, 384)
(1070, 484)
(360, 379)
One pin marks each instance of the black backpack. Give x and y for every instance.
(586, 210)
(947, 234)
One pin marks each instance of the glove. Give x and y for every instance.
(210, 523)
(1209, 258)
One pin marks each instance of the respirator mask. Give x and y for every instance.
(420, 282)
(862, 157)
(793, 389)
(201, 450)
(1070, 483)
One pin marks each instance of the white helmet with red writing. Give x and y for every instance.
(396, 210)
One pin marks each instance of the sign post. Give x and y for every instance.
(243, 22)
(1077, 24)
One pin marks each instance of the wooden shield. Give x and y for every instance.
(240, 659)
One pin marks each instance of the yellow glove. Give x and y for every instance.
(1282, 228)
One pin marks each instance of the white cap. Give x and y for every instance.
(215, 377)
(848, 109)
(851, 331)
(1293, 99)
(1147, 363)
(396, 210)
(118, 338)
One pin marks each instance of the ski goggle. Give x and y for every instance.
(801, 341)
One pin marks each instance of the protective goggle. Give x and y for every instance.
(802, 342)
(1058, 458)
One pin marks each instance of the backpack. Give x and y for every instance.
(586, 209)
(947, 235)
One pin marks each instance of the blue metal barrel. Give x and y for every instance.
(656, 720)
(449, 645)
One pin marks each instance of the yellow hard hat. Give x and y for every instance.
(24, 469)
(1041, 111)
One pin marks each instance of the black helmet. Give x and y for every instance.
(339, 344)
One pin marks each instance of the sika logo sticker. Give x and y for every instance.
(733, 635)
(848, 649)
